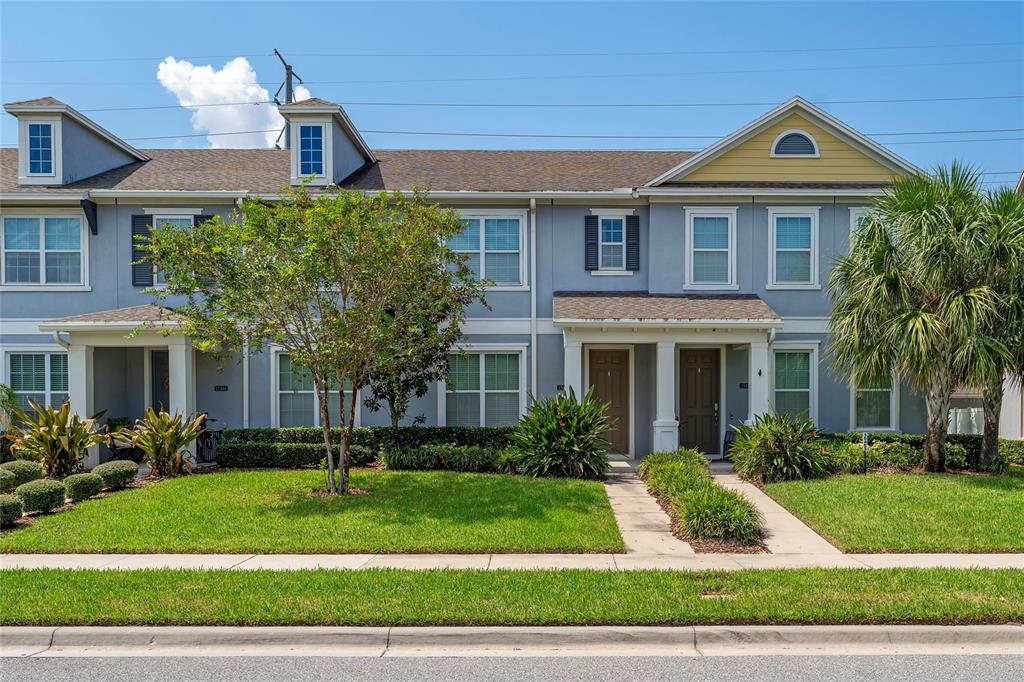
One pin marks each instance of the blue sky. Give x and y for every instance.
(690, 67)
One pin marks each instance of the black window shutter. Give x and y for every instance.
(142, 269)
(197, 221)
(632, 242)
(590, 241)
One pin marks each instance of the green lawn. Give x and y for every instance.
(912, 512)
(271, 511)
(459, 597)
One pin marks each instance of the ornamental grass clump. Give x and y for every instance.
(163, 438)
(562, 436)
(778, 447)
(55, 437)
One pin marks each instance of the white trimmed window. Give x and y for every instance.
(711, 247)
(42, 377)
(794, 247)
(875, 406)
(795, 372)
(296, 396)
(483, 389)
(493, 244)
(173, 221)
(40, 149)
(612, 244)
(311, 150)
(43, 250)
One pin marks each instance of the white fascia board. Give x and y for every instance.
(104, 326)
(166, 194)
(84, 121)
(339, 113)
(758, 191)
(48, 197)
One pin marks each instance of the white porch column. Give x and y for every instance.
(80, 390)
(573, 375)
(759, 381)
(666, 426)
(182, 376)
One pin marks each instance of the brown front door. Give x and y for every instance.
(699, 400)
(609, 376)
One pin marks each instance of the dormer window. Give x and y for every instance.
(311, 150)
(40, 149)
(795, 143)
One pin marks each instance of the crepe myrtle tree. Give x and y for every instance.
(908, 301)
(320, 276)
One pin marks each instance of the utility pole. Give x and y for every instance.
(289, 92)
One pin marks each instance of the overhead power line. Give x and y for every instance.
(456, 55)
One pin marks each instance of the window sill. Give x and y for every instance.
(509, 287)
(612, 273)
(792, 287)
(44, 287)
(712, 287)
(878, 430)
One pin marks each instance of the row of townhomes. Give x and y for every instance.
(688, 288)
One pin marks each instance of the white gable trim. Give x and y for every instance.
(809, 111)
(87, 123)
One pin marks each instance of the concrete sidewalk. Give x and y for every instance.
(510, 641)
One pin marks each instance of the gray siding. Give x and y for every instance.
(347, 158)
(84, 153)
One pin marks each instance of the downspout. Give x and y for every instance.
(58, 339)
(533, 295)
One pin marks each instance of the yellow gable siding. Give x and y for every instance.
(752, 161)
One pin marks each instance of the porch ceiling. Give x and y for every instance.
(589, 307)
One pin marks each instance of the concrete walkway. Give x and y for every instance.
(645, 527)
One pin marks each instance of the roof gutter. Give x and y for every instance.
(757, 191)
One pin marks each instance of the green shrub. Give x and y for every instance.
(11, 509)
(895, 455)
(970, 441)
(842, 457)
(443, 457)
(378, 438)
(7, 481)
(55, 437)
(679, 478)
(956, 456)
(163, 438)
(1012, 451)
(563, 436)
(285, 455)
(117, 474)
(714, 512)
(777, 447)
(78, 487)
(42, 495)
(24, 470)
(680, 455)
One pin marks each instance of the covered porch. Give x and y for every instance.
(676, 370)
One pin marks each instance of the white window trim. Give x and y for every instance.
(26, 178)
(812, 212)
(894, 410)
(482, 214)
(728, 212)
(814, 143)
(483, 348)
(46, 349)
(163, 217)
(856, 213)
(41, 215)
(275, 402)
(805, 346)
(601, 244)
(327, 176)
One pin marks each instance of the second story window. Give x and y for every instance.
(493, 246)
(40, 148)
(42, 250)
(173, 221)
(613, 244)
(794, 241)
(311, 150)
(711, 252)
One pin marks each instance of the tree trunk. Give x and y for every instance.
(322, 395)
(992, 399)
(347, 428)
(395, 415)
(937, 402)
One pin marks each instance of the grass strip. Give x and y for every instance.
(506, 597)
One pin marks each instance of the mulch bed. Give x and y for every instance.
(707, 545)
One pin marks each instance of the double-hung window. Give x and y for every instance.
(613, 243)
(794, 243)
(795, 379)
(711, 247)
(173, 221)
(483, 389)
(297, 403)
(40, 149)
(311, 150)
(875, 406)
(41, 377)
(42, 250)
(493, 247)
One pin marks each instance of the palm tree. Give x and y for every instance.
(907, 303)
(999, 261)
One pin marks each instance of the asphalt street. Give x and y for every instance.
(647, 669)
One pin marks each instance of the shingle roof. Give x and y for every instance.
(38, 101)
(643, 306)
(266, 171)
(147, 312)
(312, 102)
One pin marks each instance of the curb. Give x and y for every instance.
(512, 641)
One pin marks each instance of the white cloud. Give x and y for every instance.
(235, 82)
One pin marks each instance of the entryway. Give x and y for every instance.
(609, 375)
(160, 380)
(700, 399)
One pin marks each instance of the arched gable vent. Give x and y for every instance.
(794, 143)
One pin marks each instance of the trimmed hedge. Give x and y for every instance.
(704, 508)
(117, 473)
(80, 487)
(284, 455)
(971, 442)
(24, 470)
(378, 438)
(7, 481)
(444, 457)
(42, 495)
(11, 509)
(1012, 450)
